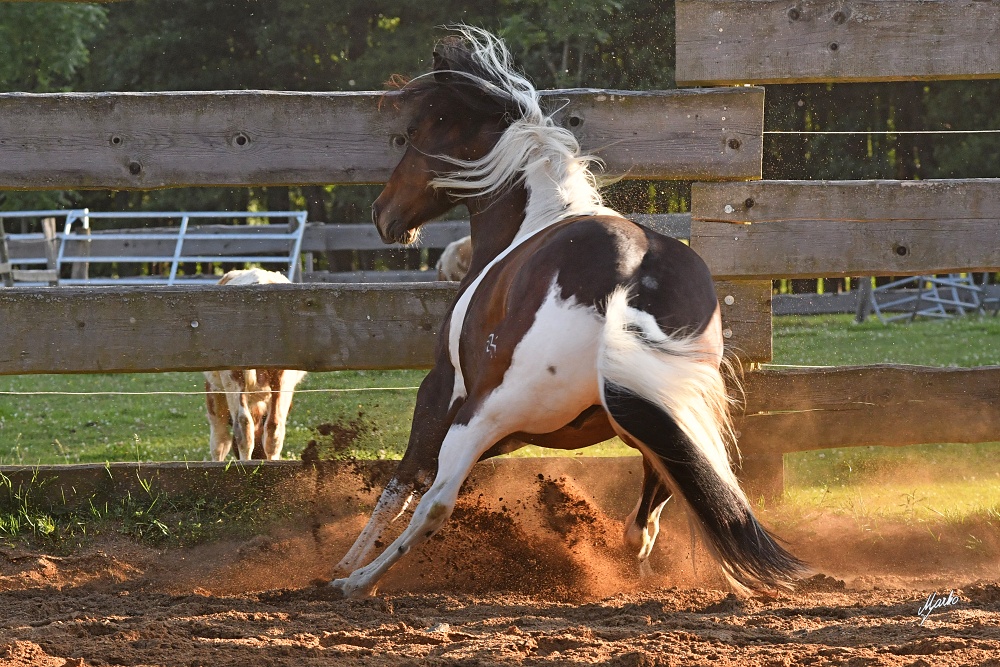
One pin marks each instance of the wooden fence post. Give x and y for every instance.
(51, 250)
(5, 268)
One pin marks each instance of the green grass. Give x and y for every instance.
(89, 428)
(836, 340)
(31, 512)
(922, 481)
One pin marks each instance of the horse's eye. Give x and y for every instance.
(410, 131)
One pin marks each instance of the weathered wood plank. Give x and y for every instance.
(775, 41)
(800, 229)
(388, 276)
(313, 326)
(790, 410)
(327, 237)
(133, 141)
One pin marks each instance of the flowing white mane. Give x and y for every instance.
(532, 150)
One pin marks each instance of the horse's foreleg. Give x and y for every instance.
(431, 419)
(395, 498)
(462, 447)
(237, 383)
(643, 525)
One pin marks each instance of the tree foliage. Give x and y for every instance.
(43, 45)
(888, 110)
(150, 45)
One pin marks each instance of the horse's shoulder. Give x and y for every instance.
(609, 230)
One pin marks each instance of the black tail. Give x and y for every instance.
(748, 554)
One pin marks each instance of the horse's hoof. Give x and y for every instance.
(343, 589)
(340, 589)
(645, 569)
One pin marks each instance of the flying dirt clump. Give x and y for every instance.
(337, 441)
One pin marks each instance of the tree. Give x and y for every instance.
(42, 46)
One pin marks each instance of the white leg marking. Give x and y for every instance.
(239, 410)
(462, 447)
(391, 505)
(642, 538)
(649, 534)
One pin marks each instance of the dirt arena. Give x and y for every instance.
(529, 571)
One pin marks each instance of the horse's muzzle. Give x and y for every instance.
(393, 229)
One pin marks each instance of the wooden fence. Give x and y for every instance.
(749, 232)
(833, 229)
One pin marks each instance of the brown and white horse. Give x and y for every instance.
(572, 325)
(254, 402)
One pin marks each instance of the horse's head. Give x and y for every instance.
(455, 115)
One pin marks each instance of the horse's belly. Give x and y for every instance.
(552, 376)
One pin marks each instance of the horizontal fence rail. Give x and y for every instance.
(317, 237)
(133, 141)
(813, 229)
(776, 41)
(314, 327)
(791, 410)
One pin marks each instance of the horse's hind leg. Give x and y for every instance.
(220, 440)
(748, 554)
(280, 402)
(643, 525)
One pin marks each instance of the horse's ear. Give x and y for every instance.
(441, 67)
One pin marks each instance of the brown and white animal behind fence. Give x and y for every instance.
(255, 402)
(455, 260)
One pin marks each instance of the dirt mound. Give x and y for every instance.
(530, 570)
(555, 542)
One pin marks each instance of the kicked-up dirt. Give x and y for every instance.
(529, 571)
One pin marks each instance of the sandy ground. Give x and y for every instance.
(524, 574)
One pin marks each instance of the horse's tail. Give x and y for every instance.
(669, 398)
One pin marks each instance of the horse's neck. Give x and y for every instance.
(495, 222)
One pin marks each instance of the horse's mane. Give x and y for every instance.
(533, 150)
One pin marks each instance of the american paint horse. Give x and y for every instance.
(573, 325)
(254, 402)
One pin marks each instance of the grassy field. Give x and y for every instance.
(870, 484)
(102, 418)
